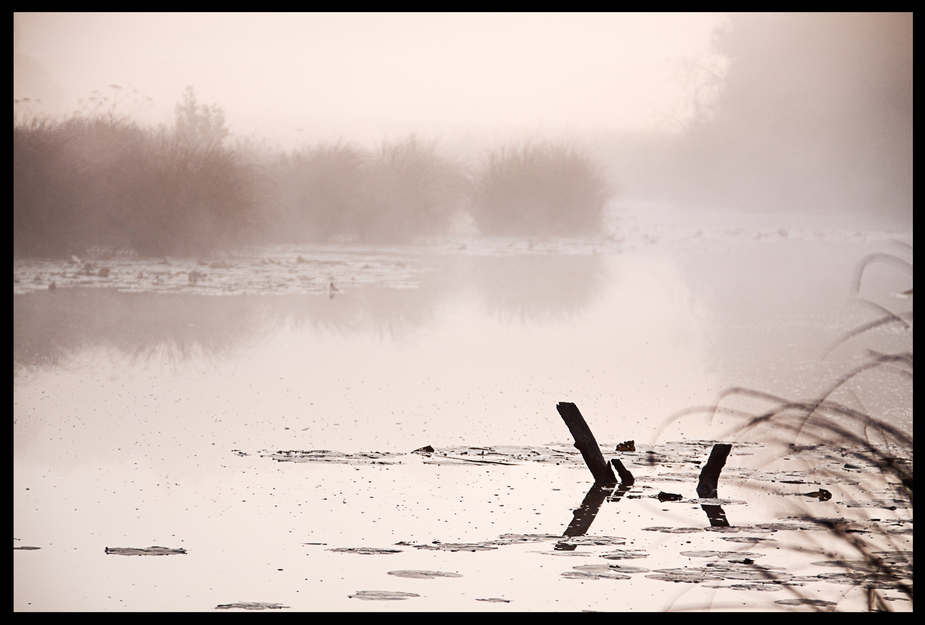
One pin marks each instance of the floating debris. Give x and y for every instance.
(423, 574)
(495, 600)
(250, 605)
(383, 595)
(821, 494)
(286, 272)
(26, 548)
(150, 551)
(663, 496)
(626, 446)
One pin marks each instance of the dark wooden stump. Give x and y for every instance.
(626, 478)
(585, 443)
(709, 476)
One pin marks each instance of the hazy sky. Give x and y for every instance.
(359, 74)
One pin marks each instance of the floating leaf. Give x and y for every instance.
(423, 574)
(711, 553)
(383, 595)
(365, 551)
(625, 554)
(249, 605)
(673, 530)
(150, 551)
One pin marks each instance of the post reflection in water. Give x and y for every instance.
(602, 491)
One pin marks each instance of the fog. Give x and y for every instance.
(297, 298)
(761, 113)
(366, 74)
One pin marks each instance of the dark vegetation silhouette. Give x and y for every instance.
(848, 435)
(99, 180)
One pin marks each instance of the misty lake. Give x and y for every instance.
(257, 414)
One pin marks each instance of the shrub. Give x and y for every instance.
(317, 192)
(101, 180)
(412, 191)
(539, 190)
(400, 191)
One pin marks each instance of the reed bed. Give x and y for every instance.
(338, 191)
(98, 179)
(547, 189)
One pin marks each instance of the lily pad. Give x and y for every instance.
(438, 546)
(423, 574)
(250, 605)
(722, 571)
(593, 540)
(688, 576)
(365, 551)
(625, 554)
(383, 595)
(595, 571)
(150, 551)
(510, 539)
(599, 569)
(711, 553)
(766, 587)
(673, 530)
(327, 456)
(747, 539)
(804, 601)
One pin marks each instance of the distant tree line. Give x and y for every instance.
(814, 114)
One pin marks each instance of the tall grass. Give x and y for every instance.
(102, 180)
(849, 435)
(539, 190)
(394, 193)
(98, 179)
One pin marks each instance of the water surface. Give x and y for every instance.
(144, 398)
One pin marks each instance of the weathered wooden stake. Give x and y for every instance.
(626, 478)
(584, 441)
(709, 475)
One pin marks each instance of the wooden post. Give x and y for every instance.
(584, 441)
(709, 476)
